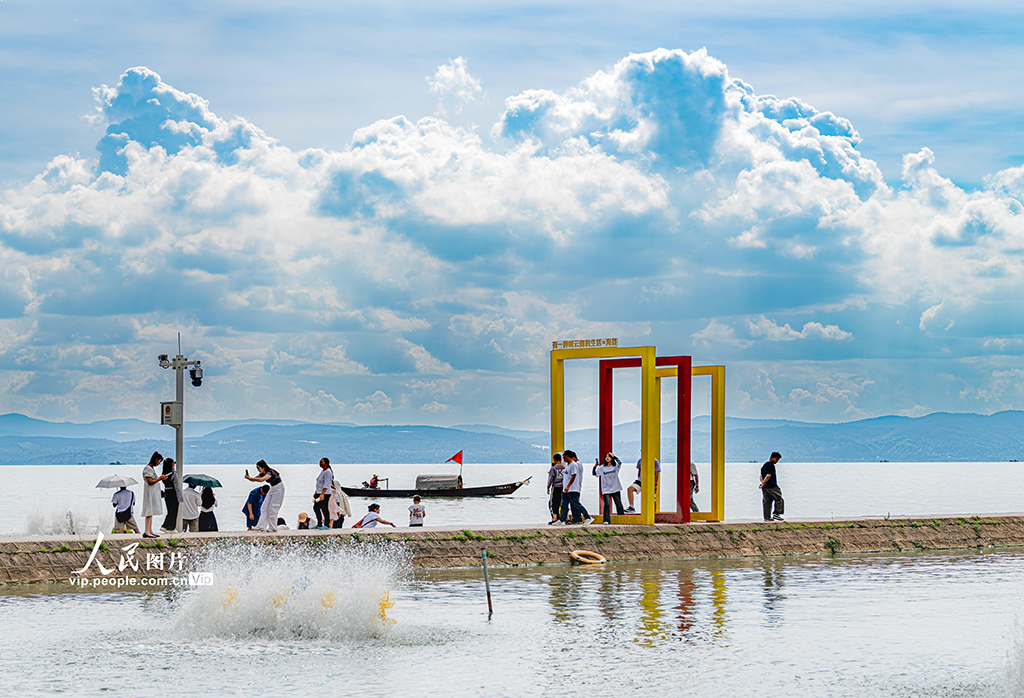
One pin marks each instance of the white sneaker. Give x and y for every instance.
(587, 521)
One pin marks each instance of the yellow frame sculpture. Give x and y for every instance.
(717, 374)
(649, 431)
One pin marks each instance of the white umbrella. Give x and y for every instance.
(117, 481)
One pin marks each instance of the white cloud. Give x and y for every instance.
(435, 407)
(377, 402)
(718, 332)
(770, 330)
(453, 83)
(659, 190)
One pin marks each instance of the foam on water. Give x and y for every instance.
(330, 591)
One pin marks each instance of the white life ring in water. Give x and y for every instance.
(586, 557)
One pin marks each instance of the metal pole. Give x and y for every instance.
(179, 431)
(487, 582)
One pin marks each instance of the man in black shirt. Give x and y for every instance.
(770, 491)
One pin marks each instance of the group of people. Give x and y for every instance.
(163, 494)
(196, 505)
(565, 483)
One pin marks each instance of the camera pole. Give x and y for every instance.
(173, 413)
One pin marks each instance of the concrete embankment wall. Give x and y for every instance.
(51, 558)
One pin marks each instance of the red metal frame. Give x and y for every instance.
(604, 428)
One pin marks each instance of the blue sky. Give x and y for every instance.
(385, 214)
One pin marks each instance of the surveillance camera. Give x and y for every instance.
(197, 376)
(162, 358)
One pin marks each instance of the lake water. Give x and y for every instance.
(863, 626)
(37, 498)
(357, 620)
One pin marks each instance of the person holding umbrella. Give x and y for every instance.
(152, 504)
(200, 507)
(123, 502)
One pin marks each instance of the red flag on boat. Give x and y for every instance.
(457, 458)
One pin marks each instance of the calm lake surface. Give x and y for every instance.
(37, 498)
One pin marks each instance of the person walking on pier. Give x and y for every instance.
(555, 480)
(572, 489)
(271, 509)
(322, 495)
(611, 488)
(770, 491)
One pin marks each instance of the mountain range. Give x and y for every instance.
(935, 437)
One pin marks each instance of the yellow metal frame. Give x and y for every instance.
(717, 374)
(649, 410)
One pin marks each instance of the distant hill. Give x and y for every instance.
(301, 443)
(936, 437)
(122, 429)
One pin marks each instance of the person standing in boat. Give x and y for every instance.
(555, 480)
(271, 508)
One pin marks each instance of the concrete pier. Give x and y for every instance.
(53, 558)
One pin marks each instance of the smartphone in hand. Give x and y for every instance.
(247, 472)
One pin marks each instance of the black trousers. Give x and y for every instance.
(339, 522)
(555, 505)
(171, 501)
(769, 495)
(323, 516)
(608, 499)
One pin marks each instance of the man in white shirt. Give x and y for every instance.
(572, 487)
(191, 501)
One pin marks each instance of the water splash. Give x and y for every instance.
(331, 591)
(66, 520)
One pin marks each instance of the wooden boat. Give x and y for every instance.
(434, 491)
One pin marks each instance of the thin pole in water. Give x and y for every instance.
(487, 582)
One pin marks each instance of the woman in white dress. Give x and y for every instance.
(152, 502)
(275, 498)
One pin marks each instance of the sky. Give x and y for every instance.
(384, 213)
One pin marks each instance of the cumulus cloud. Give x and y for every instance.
(453, 84)
(661, 200)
